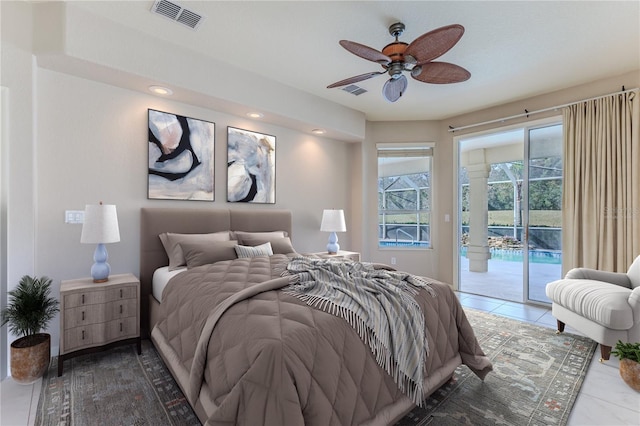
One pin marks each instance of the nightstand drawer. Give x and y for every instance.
(81, 337)
(99, 296)
(92, 314)
(99, 334)
(84, 298)
(121, 329)
(128, 292)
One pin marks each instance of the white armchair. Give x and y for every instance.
(604, 306)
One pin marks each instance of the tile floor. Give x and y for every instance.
(604, 398)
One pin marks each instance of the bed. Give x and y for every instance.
(244, 350)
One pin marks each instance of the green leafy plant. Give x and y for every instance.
(627, 351)
(30, 307)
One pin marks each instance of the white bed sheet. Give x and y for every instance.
(161, 277)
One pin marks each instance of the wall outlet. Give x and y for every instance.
(393, 260)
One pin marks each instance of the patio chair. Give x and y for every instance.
(604, 306)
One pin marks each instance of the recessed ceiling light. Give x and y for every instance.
(255, 114)
(160, 90)
(319, 131)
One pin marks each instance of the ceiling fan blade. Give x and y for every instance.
(435, 43)
(354, 79)
(441, 73)
(365, 52)
(394, 88)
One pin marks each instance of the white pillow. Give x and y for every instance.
(254, 251)
(171, 243)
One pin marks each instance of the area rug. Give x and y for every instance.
(536, 378)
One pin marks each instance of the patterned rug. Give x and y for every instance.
(536, 378)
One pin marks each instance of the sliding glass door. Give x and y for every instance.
(510, 196)
(543, 236)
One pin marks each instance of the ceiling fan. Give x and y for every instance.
(416, 58)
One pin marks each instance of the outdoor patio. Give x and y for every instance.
(504, 280)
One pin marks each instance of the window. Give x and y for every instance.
(404, 195)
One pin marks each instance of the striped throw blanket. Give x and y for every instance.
(379, 304)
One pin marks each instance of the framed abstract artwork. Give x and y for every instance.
(251, 167)
(181, 157)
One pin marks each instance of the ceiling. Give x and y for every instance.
(514, 50)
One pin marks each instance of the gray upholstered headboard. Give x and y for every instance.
(154, 221)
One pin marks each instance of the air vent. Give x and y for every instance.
(354, 90)
(177, 13)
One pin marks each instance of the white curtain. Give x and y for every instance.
(601, 193)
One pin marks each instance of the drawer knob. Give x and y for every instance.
(82, 299)
(120, 327)
(120, 293)
(82, 315)
(121, 309)
(82, 334)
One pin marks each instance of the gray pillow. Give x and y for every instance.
(278, 245)
(248, 251)
(243, 236)
(198, 254)
(172, 241)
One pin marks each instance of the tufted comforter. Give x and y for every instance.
(247, 353)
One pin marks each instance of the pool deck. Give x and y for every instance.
(504, 280)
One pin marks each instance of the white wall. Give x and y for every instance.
(17, 213)
(417, 261)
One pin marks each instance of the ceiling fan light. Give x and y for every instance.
(394, 88)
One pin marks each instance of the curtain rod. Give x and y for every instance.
(528, 113)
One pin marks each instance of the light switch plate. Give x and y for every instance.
(74, 216)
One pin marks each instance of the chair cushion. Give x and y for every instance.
(605, 304)
(634, 273)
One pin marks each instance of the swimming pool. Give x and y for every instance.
(417, 244)
(515, 255)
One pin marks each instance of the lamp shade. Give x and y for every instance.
(333, 221)
(100, 224)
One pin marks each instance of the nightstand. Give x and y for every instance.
(342, 254)
(97, 316)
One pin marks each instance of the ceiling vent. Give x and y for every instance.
(177, 13)
(354, 90)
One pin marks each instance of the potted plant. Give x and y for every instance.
(28, 312)
(629, 355)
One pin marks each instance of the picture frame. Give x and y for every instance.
(251, 167)
(181, 157)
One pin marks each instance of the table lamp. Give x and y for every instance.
(100, 227)
(333, 221)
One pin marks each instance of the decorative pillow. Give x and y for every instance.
(278, 245)
(171, 243)
(248, 251)
(241, 236)
(197, 254)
